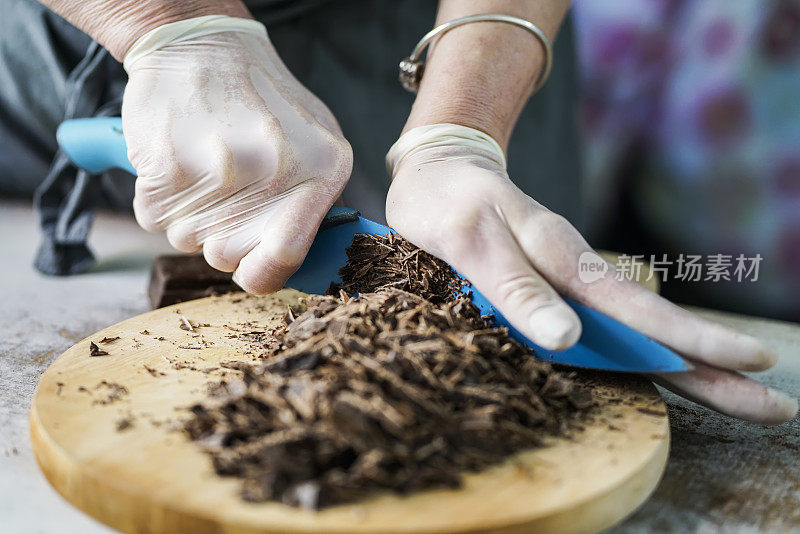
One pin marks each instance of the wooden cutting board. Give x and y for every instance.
(149, 478)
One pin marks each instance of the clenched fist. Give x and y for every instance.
(233, 154)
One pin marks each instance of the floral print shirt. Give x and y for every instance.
(705, 95)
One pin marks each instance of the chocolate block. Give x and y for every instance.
(178, 277)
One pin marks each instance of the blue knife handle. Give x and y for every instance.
(97, 144)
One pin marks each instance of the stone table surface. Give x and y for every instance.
(722, 476)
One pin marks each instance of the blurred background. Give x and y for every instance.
(690, 125)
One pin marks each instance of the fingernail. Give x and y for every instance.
(751, 355)
(767, 358)
(555, 327)
(785, 406)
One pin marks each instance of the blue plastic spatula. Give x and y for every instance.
(97, 144)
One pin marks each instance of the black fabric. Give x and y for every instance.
(66, 199)
(65, 215)
(271, 12)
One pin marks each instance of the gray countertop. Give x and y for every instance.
(722, 475)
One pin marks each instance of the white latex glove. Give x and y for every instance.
(233, 154)
(451, 196)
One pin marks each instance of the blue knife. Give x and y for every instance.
(97, 144)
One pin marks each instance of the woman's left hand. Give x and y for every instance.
(451, 196)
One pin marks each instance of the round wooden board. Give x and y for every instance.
(150, 478)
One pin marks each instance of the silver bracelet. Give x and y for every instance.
(411, 68)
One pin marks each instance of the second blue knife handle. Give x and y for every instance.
(95, 144)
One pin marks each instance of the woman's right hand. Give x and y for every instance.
(233, 155)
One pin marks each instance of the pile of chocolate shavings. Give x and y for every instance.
(385, 391)
(378, 262)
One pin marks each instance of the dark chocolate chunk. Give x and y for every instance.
(178, 278)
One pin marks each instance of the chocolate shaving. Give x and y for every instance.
(378, 262)
(384, 391)
(153, 371)
(109, 392)
(94, 350)
(124, 423)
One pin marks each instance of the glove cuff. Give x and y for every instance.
(443, 135)
(184, 30)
